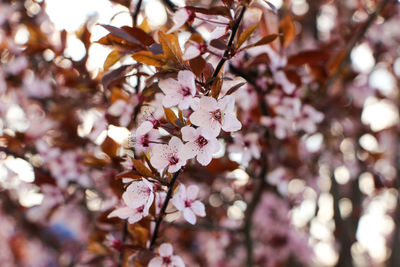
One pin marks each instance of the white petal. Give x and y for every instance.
(189, 216)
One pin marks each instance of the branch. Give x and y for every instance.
(230, 42)
(251, 207)
(136, 13)
(164, 207)
(353, 43)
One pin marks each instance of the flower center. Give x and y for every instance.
(201, 141)
(186, 91)
(217, 115)
(166, 260)
(188, 204)
(173, 160)
(145, 140)
(140, 209)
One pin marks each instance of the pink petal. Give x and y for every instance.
(227, 104)
(165, 250)
(189, 150)
(189, 134)
(208, 103)
(180, 17)
(178, 202)
(177, 261)
(198, 208)
(230, 123)
(156, 262)
(187, 79)
(192, 191)
(191, 52)
(189, 216)
(122, 213)
(144, 128)
(171, 100)
(175, 144)
(204, 157)
(200, 118)
(168, 86)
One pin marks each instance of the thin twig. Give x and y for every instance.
(163, 208)
(205, 227)
(353, 43)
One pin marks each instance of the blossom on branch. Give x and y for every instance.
(168, 156)
(185, 200)
(198, 146)
(179, 92)
(166, 257)
(138, 199)
(212, 115)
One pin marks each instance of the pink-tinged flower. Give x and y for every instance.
(37, 88)
(144, 137)
(247, 145)
(281, 126)
(185, 200)
(198, 146)
(181, 16)
(138, 199)
(179, 92)
(168, 156)
(309, 118)
(211, 116)
(122, 109)
(166, 258)
(287, 86)
(194, 50)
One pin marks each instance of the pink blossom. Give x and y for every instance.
(194, 50)
(180, 17)
(198, 146)
(144, 136)
(122, 109)
(168, 156)
(185, 200)
(247, 145)
(179, 92)
(211, 116)
(138, 199)
(166, 257)
(309, 118)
